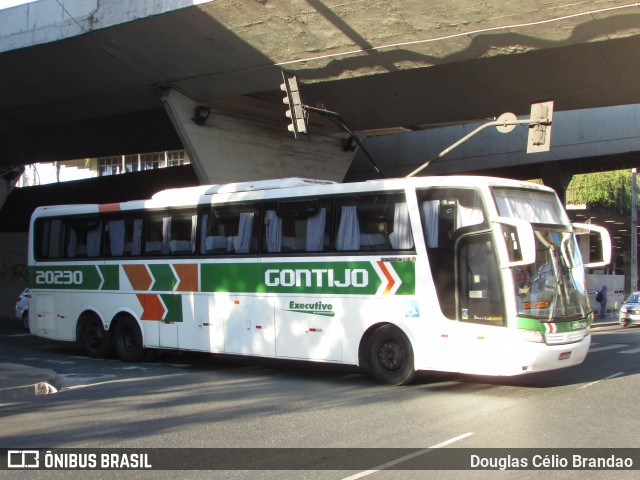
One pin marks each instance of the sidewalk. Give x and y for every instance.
(609, 320)
(20, 381)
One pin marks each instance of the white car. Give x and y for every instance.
(630, 310)
(22, 308)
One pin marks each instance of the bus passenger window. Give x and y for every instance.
(228, 230)
(84, 238)
(374, 223)
(153, 235)
(50, 238)
(123, 237)
(348, 237)
(296, 226)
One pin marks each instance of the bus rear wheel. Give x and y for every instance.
(127, 340)
(390, 356)
(95, 340)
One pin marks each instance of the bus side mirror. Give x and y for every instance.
(518, 246)
(605, 242)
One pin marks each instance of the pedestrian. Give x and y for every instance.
(603, 302)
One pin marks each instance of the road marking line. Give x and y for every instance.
(608, 347)
(633, 350)
(597, 381)
(408, 457)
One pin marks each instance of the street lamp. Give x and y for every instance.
(634, 231)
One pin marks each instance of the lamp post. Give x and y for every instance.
(634, 230)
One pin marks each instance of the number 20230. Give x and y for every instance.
(59, 277)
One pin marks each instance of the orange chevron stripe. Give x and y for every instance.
(187, 277)
(139, 276)
(152, 308)
(390, 280)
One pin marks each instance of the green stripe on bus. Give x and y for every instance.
(75, 277)
(342, 278)
(173, 303)
(560, 327)
(110, 276)
(164, 278)
(335, 278)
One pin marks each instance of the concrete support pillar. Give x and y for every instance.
(8, 182)
(557, 177)
(13, 255)
(247, 139)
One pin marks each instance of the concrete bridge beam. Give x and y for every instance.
(247, 139)
(582, 141)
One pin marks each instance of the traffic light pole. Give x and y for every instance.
(337, 119)
(539, 139)
(539, 131)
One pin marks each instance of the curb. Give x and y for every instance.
(16, 393)
(21, 381)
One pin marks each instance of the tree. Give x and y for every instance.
(604, 189)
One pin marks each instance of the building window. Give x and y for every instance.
(109, 166)
(149, 161)
(176, 158)
(131, 163)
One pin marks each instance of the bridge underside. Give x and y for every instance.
(92, 84)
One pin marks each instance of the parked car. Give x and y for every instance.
(22, 308)
(630, 310)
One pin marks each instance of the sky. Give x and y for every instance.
(12, 3)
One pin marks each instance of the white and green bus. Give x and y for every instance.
(460, 274)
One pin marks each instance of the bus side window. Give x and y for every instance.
(123, 236)
(295, 226)
(170, 233)
(155, 225)
(182, 235)
(446, 214)
(50, 238)
(401, 237)
(348, 235)
(378, 223)
(84, 237)
(229, 229)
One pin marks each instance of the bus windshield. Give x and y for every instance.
(553, 287)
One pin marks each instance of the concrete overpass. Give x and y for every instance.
(99, 77)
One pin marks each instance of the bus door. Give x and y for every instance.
(478, 320)
(479, 293)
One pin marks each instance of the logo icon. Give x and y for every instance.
(23, 459)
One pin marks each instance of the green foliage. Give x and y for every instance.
(603, 189)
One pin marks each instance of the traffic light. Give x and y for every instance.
(296, 111)
(539, 139)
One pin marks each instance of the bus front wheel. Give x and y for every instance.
(95, 340)
(390, 356)
(128, 342)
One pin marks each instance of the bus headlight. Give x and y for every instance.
(531, 335)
